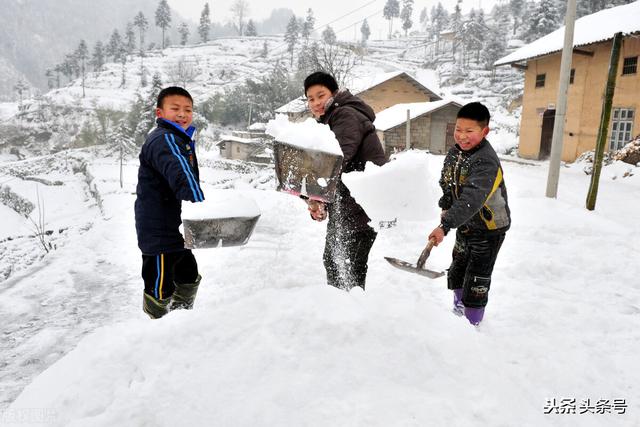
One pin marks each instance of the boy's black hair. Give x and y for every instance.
(172, 90)
(320, 78)
(475, 111)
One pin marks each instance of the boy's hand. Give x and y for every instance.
(317, 210)
(438, 235)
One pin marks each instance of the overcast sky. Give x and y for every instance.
(325, 11)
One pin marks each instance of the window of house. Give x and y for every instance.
(540, 79)
(630, 65)
(621, 127)
(237, 149)
(573, 76)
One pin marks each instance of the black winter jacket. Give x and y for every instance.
(474, 192)
(351, 120)
(167, 175)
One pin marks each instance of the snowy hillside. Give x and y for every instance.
(270, 344)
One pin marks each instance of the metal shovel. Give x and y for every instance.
(419, 266)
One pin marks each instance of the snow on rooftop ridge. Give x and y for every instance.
(307, 135)
(397, 114)
(597, 27)
(232, 138)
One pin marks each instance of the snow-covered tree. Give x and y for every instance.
(308, 26)
(205, 23)
(82, 53)
(142, 24)
(439, 21)
(329, 36)
(517, 9)
(265, 49)
(184, 32)
(291, 36)
(391, 10)
(20, 88)
(129, 38)
(424, 16)
(251, 30)
(543, 20)
(494, 48)
(115, 47)
(97, 57)
(163, 18)
(239, 11)
(456, 27)
(405, 15)
(366, 32)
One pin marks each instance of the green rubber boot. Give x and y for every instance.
(184, 295)
(155, 308)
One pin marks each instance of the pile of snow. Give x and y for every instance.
(630, 153)
(308, 135)
(402, 189)
(221, 204)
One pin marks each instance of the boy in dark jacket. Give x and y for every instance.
(349, 236)
(167, 175)
(474, 202)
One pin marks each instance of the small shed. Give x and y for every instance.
(431, 126)
(234, 147)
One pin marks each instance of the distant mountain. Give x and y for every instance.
(35, 34)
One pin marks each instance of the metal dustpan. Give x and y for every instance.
(419, 266)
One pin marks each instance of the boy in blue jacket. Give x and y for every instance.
(167, 175)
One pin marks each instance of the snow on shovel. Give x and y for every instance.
(419, 266)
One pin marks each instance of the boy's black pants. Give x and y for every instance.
(346, 253)
(473, 260)
(161, 272)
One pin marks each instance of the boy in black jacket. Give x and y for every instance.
(167, 175)
(475, 202)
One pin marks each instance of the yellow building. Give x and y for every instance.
(589, 70)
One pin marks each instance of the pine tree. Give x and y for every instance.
(439, 21)
(405, 15)
(58, 70)
(517, 8)
(251, 29)
(49, 74)
(97, 58)
(366, 32)
(544, 20)
(82, 53)
(142, 24)
(291, 35)
(114, 47)
(308, 26)
(329, 36)
(494, 49)
(456, 27)
(183, 29)
(391, 10)
(265, 49)
(424, 16)
(130, 39)
(163, 17)
(205, 23)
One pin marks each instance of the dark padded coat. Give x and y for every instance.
(352, 122)
(167, 175)
(474, 192)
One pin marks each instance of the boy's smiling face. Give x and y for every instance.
(469, 133)
(178, 109)
(317, 97)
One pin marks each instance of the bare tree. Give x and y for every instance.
(239, 10)
(38, 226)
(333, 59)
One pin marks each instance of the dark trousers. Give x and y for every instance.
(346, 253)
(472, 265)
(161, 272)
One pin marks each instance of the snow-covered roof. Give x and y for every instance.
(231, 138)
(397, 115)
(589, 29)
(258, 126)
(360, 85)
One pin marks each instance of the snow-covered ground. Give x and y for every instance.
(269, 343)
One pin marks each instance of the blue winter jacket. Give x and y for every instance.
(167, 175)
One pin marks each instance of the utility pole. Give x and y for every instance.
(561, 104)
(408, 132)
(607, 103)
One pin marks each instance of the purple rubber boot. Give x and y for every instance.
(474, 315)
(458, 306)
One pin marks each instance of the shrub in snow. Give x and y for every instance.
(630, 153)
(16, 202)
